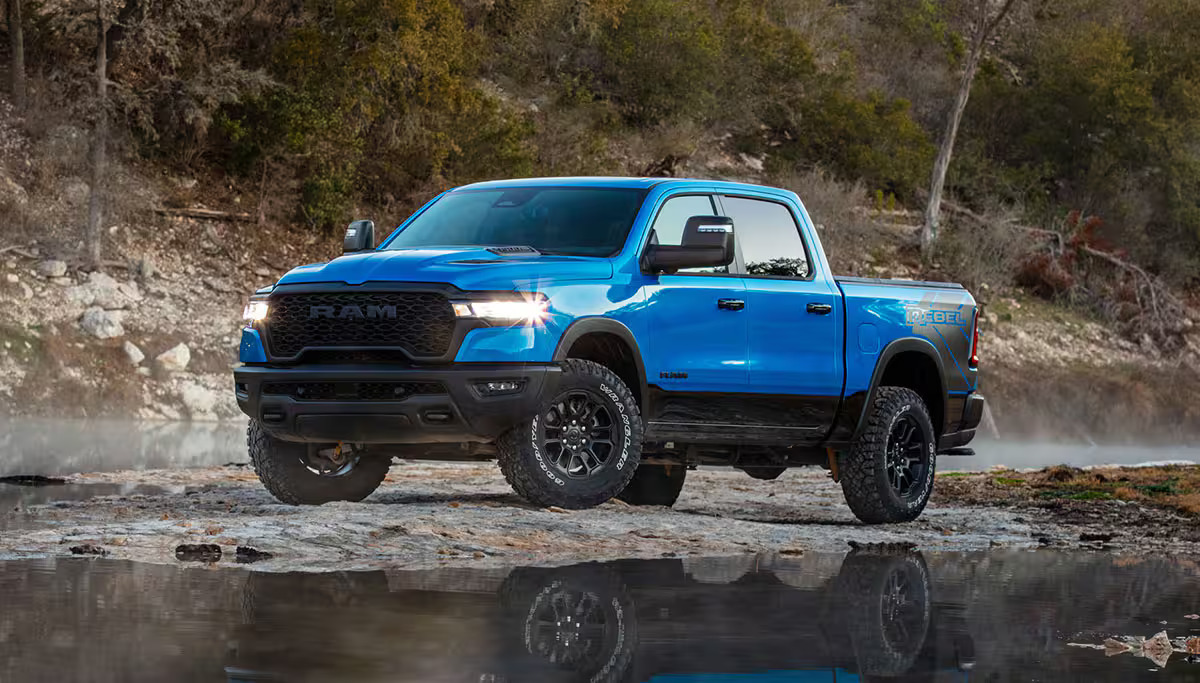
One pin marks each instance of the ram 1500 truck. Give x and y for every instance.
(599, 337)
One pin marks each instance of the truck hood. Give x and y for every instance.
(470, 268)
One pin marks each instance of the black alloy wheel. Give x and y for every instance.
(579, 433)
(907, 456)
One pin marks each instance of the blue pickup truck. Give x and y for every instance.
(599, 337)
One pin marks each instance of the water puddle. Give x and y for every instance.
(19, 493)
(867, 615)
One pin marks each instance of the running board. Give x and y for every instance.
(958, 451)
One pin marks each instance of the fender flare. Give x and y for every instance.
(576, 330)
(903, 345)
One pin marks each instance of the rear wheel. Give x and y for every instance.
(582, 447)
(887, 476)
(655, 485)
(312, 474)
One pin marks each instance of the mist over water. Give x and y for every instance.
(58, 447)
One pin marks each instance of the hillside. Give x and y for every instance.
(1072, 189)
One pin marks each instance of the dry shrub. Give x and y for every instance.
(988, 251)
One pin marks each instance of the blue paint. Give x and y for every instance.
(251, 349)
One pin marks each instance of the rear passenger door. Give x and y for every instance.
(696, 345)
(793, 317)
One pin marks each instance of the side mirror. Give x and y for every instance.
(360, 236)
(707, 243)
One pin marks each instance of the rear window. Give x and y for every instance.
(578, 221)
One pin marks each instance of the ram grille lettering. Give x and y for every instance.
(352, 312)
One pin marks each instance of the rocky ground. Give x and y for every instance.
(432, 514)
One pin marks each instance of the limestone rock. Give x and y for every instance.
(175, 359)
(198, 400)
(134, 354)
(52, 268)
(102, 324)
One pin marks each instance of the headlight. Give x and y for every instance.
(503, 311)
(255, 311)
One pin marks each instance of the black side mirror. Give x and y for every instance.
(360, 236)
(707, 243)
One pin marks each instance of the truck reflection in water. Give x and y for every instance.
(690, 621)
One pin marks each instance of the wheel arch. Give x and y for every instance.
(610, 343)
(906, 362)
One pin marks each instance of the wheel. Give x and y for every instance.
(583, 445)
(655, 485)
(305, 474)
(887, 476)
(579, 620)
(888, 609)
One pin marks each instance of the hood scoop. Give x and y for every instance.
(508, 251)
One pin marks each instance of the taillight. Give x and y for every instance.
(974, 362)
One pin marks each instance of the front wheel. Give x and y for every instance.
(311, 474)
(583, 445)
(887, 476)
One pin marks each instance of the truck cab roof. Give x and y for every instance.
(619, 182)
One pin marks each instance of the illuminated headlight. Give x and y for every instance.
(503, 311)
(255, 311)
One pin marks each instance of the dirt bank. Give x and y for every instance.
(431, 514)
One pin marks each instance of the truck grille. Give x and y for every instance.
(418, 322)
(351, 391)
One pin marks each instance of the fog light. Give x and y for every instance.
(500, 387)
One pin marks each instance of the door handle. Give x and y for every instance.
(731, 304)
(820, 309)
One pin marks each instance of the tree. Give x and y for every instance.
(16, 35)
(92, 236)
(986, 16)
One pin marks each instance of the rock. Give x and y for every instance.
(103, 291)
(74, 191)
(102, 324)
(262, 272)
(52, 268)
(198, 400)
(144, 371)
(246, 555)
(12, 278)
(134, 354)
(62, 281)
(198, 552)
(175, 359)
(143, 268)
(87, 549)
(26, 292)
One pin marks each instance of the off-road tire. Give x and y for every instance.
(528, 591)
(865, 582)
(526, 464)
(280, 467)
(863, 469)
(655, 485)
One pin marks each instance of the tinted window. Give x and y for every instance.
(768, 236)
(554, 220)
(673, 215)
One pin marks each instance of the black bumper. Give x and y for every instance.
(355, 403)
(971, 417)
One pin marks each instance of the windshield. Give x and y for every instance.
(577, 221)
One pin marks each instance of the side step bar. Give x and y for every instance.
(962, 450)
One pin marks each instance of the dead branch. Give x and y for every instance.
(207, 214)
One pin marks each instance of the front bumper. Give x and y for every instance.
(342, 402)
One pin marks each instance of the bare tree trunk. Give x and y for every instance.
(16, 35)
(985, 25)
(929, 231)
(99, 142)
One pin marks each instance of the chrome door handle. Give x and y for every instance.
(731, 304)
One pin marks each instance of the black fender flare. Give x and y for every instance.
(902, 345)
(584, 326)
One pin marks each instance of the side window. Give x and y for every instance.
(768, 236)
(668, 224)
